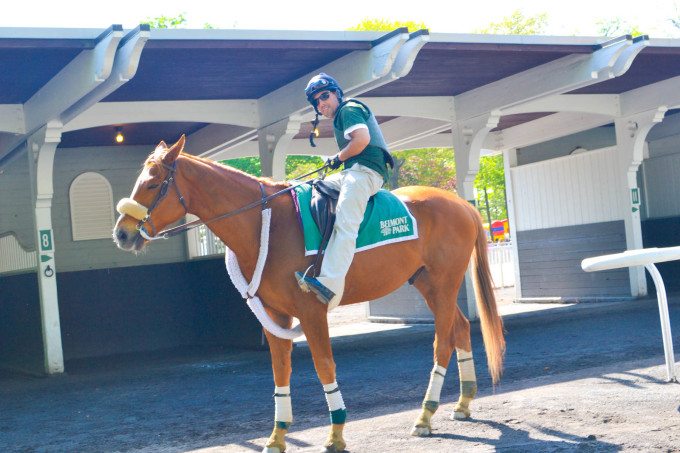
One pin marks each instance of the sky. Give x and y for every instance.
(565, 17)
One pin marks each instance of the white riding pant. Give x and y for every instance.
(356, 185)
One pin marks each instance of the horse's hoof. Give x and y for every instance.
(332, 449)
(421, 431)
(271, 450)
(458, 415)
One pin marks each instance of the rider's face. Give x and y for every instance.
(326, 103)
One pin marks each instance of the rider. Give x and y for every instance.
(364, 153)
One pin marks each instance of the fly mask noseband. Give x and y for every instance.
(138, 211)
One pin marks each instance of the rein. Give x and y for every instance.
(170, 232)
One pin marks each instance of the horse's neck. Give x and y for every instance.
(214, 191)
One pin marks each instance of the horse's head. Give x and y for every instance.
(154, 202)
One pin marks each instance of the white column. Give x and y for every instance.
(41, 149)
(468, 138)
(273, 143)
(631, 133)
(510, 161)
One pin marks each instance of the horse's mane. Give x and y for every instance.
(235, 172)
(227, 170)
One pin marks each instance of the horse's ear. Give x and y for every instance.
(174, 150)
(162, 146)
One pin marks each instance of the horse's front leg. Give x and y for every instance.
(318, 339)
(281, 366)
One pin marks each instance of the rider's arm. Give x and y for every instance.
(359, 139)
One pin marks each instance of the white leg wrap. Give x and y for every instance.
(466, 366)
(436, 382)
(283, 410)
(334, 399)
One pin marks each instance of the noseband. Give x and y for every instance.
(138, 211)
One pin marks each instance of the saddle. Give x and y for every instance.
(322, 206)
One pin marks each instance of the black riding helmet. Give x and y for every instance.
(319, 83)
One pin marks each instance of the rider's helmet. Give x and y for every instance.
(319, 83)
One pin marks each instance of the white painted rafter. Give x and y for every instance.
(602, 104)
(238, 112)
(12, 118)
(556, 77)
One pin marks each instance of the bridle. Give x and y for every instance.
(132, 208)
(167, 182)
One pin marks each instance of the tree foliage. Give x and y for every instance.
(295, 165)
(433, 167)
(616, 27)
(518, 24)
(376, 24)
(491, 180)
(179, 21)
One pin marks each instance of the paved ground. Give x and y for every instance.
(587, 377)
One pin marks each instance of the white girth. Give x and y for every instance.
(249, 290)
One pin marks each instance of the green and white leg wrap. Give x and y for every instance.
(423, 426)
(283, 417)
(468, 384)
(336, 406)
(434, 389)
(283, 409)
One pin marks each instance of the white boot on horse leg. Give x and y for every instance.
(283, 417)
(423, 426)
(335, 442)
(468, 385)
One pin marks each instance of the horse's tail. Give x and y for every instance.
(491, 323)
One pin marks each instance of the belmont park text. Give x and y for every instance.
(396, 225)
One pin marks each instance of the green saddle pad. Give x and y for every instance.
(387, 220)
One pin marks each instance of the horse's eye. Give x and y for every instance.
(152, 186)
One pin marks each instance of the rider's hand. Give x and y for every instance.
(334, 162)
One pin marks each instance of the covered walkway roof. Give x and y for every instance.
(223, 86)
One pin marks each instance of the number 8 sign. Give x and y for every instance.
(46, 240)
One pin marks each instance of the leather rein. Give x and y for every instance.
(170, 181)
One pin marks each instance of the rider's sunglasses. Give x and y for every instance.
(323, 97)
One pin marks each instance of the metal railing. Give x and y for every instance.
(501, 264)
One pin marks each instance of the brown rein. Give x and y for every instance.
(170, 232)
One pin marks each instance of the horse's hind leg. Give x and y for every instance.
(440, 293)
(460, 336)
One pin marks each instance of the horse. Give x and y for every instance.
(450, 236)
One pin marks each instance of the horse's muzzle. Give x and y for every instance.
(127, 237)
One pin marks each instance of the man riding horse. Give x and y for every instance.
(364, 153)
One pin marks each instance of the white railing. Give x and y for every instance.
(647, 258)
(501, 264)
(13, 257)
(202, 242)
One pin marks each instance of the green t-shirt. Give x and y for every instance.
(352, 116)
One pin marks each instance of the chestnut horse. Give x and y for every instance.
(450, 230)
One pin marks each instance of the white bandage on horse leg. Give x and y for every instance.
(336, 406)
(434, 389)
(283, 409)
(132, 208)
(466, 366)
(468, 384)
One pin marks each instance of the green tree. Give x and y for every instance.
(295, 165)
(179, 21)
(386, 25)
(518, 24)
(616, 27)
(433, 167)
(490, 185)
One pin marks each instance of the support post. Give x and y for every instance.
(41, 149)
(631, 133)
(273, 143)
(468, 137)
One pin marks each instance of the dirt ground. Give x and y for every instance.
(630, 409)
(585, 378)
